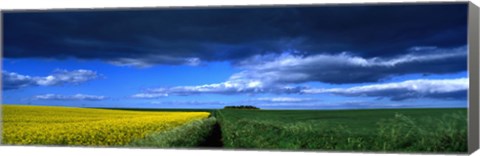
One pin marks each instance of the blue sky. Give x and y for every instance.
(323, 57)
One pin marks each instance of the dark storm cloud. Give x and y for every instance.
(189, 36)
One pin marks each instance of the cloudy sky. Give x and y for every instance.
(315, 57)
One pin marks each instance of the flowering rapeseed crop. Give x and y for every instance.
(85, 126)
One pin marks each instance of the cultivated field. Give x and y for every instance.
(42, 125)
(381, 130)
(406, 130)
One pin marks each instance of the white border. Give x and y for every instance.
(82, 151)
(69, 4)
(7, 5)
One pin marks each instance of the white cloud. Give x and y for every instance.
(155, 59)
(421, 88)
(149, 95)
(225, 88)
(129, 62)
(278, 101)
(442, 88)
(283, 99)
(69, 97)
(60, 77)
(279, 74)
(12, 80)
(347, 68)
(188, 103)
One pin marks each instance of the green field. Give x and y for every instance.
(405, 130)
(376, 130)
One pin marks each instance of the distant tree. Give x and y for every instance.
(241, 107)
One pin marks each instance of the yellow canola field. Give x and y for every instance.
(46, 125)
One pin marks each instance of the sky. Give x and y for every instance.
(295, 57)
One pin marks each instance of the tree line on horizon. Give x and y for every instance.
(241, 107)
